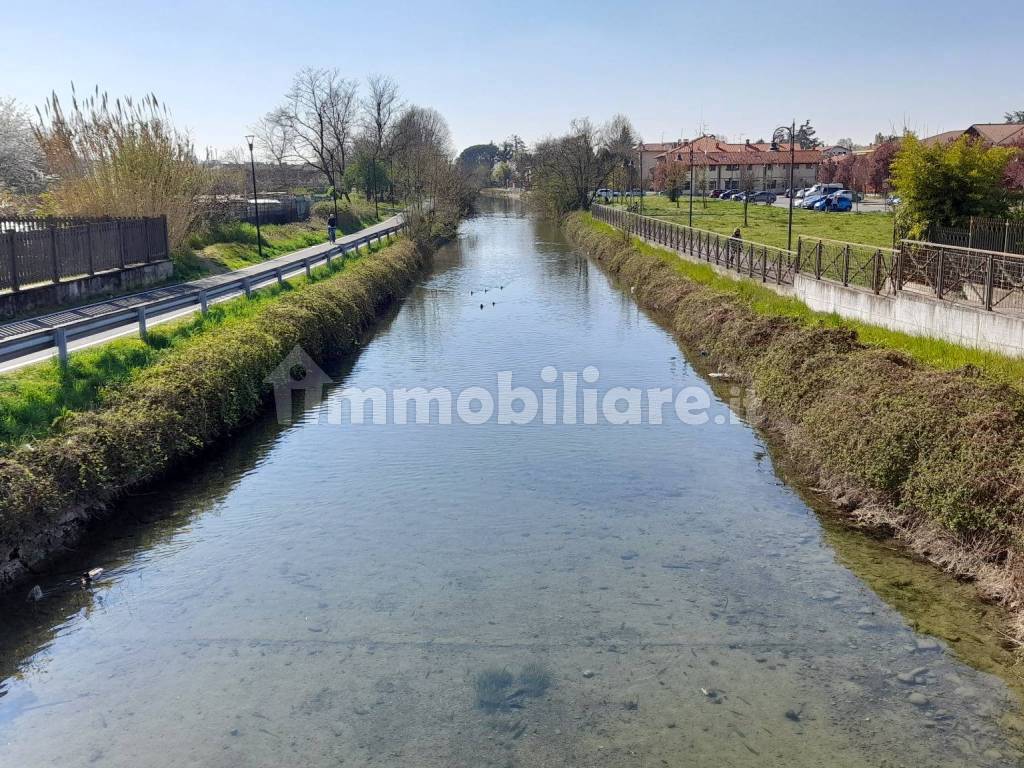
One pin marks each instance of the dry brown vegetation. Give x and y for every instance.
(933, 457)
(120, 158)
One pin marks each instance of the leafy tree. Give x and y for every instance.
(805, 136)
(847, 143)
(881, 162)
(1015, 170)
(1017, 116)
(947, 183)
(478, 155)
(502, 173)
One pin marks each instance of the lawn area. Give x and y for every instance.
(768, 223)
(232, 245)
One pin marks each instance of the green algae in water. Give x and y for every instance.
(493, 687)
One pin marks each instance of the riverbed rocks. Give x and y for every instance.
(913, 677)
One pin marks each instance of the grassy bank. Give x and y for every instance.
(36, 400)
(175, 404)
(768, 224)
(932, 456)
(233, 244)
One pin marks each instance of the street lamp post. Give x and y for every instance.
(640, 181)
(255, 197)
(691, 182)
(779, 134)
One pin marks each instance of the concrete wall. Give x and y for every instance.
(51, 295)
(908, 312)
(916, 315)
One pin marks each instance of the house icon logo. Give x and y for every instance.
(297, 372)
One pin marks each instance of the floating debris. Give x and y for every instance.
(91, 575)
(719, 375)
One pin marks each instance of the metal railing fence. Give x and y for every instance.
(985, 279)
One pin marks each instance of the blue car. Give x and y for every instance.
(810, 202)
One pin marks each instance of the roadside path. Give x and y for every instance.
(289, 263)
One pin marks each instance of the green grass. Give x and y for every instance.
(232, 245)
(943, 355)
(768, 224)
(36, 399)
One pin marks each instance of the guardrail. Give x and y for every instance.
(60, 335)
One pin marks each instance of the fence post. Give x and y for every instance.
(12, 245)
(1006, 236)
(247, 286)
(876, 272)
(899, 268)
(54, 261)
(60, 340)
(940, 268)
(88, 249)
(764, 264)
(846, 265)
(990, 264)
(120, 243)
(167, 239)
(280, 276)
(817, 261)
(305, 263)
(143, 331)
(970, 234)
(799, 248)
(204, 302)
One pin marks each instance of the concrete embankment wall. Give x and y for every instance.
(906, 311)
(69, 291)
(916, 315)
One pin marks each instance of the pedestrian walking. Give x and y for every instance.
(736, 241)
(332, 227)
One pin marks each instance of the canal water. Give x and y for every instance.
(326, 593)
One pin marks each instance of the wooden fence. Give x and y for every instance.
(37, 250)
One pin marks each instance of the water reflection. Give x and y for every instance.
(325, 595)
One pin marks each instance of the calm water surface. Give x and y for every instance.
(326, 595)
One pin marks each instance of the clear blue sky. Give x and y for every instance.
(529, 67)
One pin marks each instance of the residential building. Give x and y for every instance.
(996, 134)
(649, 153)
(836, 152)
(759, 165)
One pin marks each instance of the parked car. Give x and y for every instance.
(604, 194)
(893, 200)
(729, 194)
(799, 194)
(716, 193)
(764, 196)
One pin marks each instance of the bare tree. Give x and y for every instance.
(568, 170)
(20, 158)
(274, 137)
(319, 115)
(380, 109)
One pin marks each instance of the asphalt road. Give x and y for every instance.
(291, 264)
